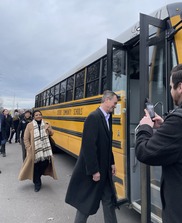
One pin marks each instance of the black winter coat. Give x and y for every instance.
(15, 124)
(164, 148)
(9, 122)
(95, 156)
(2, 128)
(22, 126)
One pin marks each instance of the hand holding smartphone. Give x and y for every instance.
(150, 108)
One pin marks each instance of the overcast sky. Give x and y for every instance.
(42, 39)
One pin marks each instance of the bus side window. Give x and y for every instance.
(69, 89)
(62, 91)
(92, 83)
(79, 85)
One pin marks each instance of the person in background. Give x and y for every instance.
(164, 148)
(91, 181)
(21, 113)
(21, 129)
(2, 129)
(2, 134)
(39, 160)
(8, 126)
(9, 122)
(15, 124)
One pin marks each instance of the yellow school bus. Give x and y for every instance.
(136, 65)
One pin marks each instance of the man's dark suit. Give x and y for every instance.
(95, 156)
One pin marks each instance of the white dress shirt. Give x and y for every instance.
(106, 115)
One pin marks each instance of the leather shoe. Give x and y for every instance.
(37, 188)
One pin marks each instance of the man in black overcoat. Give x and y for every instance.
(164, 148)
(91, 181)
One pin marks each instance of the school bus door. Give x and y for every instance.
(154, 67)
(117, 82)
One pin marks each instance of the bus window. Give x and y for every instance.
(79, 84)
(173, 55)
(69, 89)
(47, 97)
(92, 85)
(41, 99)
(36, 101)
(44, 98)
(62, 91)
(104, 74)
(134, 92)
(157, 77)
(52, 96)
(56, 97)
(118, 74)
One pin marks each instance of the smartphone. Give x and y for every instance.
(150, 109)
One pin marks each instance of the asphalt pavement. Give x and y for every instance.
(20, 204)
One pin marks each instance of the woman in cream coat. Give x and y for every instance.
(39, 160)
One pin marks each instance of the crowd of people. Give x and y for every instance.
(30, 130)
(12, 125)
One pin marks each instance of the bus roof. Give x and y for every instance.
(125, 36)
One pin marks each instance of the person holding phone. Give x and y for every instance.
(164, 148)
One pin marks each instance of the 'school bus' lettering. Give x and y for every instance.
(75, 111)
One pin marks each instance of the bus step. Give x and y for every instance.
(156, 212)
(155, 196)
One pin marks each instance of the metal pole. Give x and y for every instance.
(144, 75)
(145, 194)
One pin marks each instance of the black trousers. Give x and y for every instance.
(108, 208)
(24, 152)
(16, 135)
(2, 145)
(39, 169)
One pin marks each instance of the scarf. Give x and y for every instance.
(43, 149)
